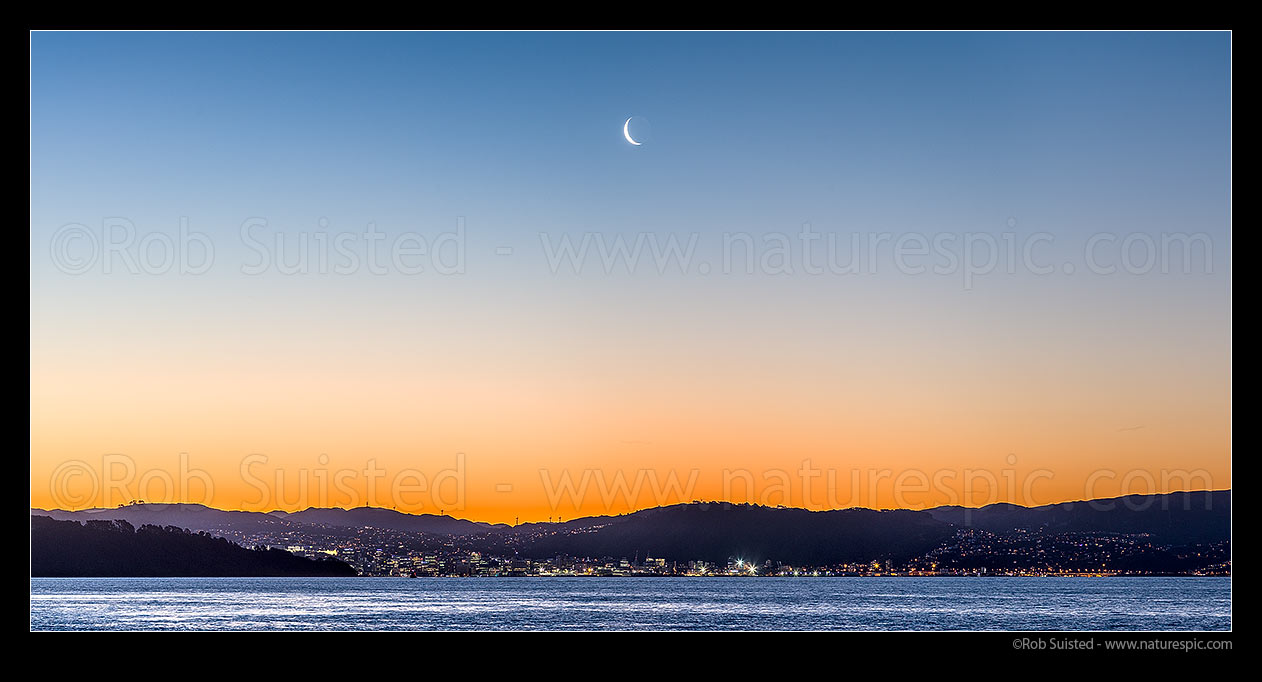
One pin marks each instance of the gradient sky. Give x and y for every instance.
(1073, 384)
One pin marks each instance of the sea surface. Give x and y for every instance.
(899, 603)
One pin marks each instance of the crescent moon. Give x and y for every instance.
(627, 133)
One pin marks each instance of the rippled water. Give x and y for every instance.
(632, 603)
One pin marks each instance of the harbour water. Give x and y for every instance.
(1114, 603)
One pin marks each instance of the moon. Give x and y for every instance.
(627, 133)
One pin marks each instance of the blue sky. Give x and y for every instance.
(950, 130)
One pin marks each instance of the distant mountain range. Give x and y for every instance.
(198, 517)
(389, 519)
(118, 549)
(715, 531)
(1174, 518)
(195, 517)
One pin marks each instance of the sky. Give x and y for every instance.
(281, 270)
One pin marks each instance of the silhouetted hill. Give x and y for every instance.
(390, 519)
(1174, 518)
(118, 549)
(718, 531)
